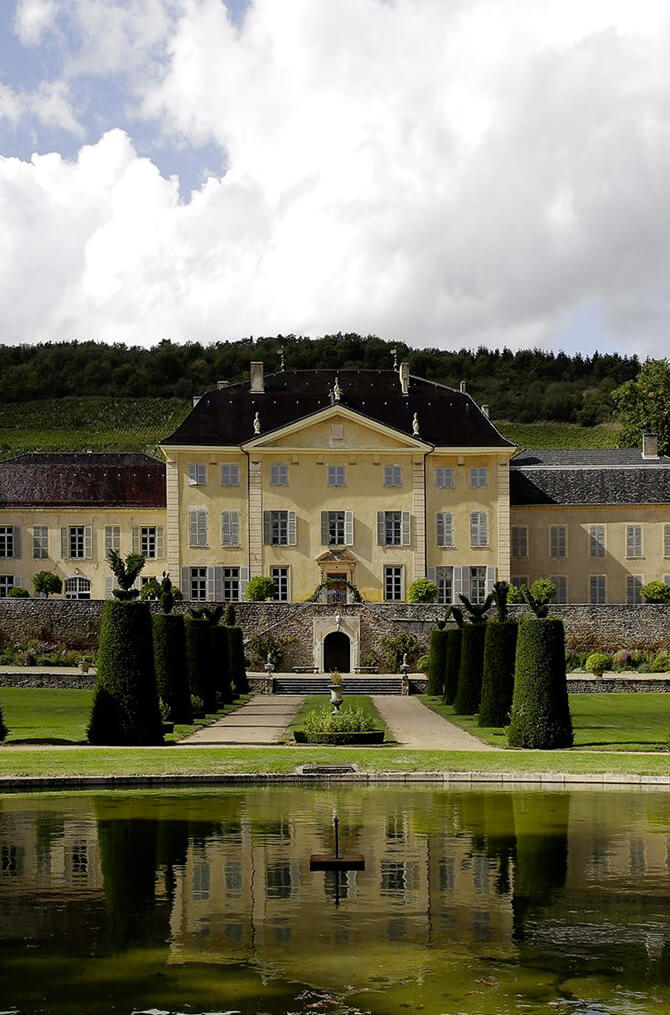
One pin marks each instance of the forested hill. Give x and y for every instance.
(522, 387)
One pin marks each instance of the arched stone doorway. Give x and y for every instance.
(337, 652)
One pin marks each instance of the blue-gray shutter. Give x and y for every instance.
(325, 529)
(211, 581)
(160, 541)
(64, 543)
(17, 541)
(459, 582)
(440, 528)
(109, 588)
(490, 579)
(267, 528)
(186, 582)
(218, 584)
(348, 528)
(381, 528)
(431, 573)
(18, 581)
(292, 528)
(135, 539)
(88, 541)
(244, 581)
(406, 539)
(193, 527)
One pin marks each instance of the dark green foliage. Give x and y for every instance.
(125, 573)
(212, 616)
(201, 665)
(3, 729)
(456, 614)
(540, 711)
(541, 828)
(477, 611)
(470, 669)
(655, 592)
(498, 675)
(452, 665)
(237, 668)
(259, 589)
(171, 667)
(642, 405)
(422, 590)
(125, 705)
(500, 594)
(221, 658)
(18, 592)
(539, 609)
(229, 616)
(438, 662)
(47, 583)
(397, 646)
(128, 855)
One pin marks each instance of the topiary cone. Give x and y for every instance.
(540, 711)
(498, 673)
(125, 705)
(452, 665)
(3, 729)
(238, 673)
(470, 669)
(438, 662)
(169, 641)
(200, 661)
(220, 652)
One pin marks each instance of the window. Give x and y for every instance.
(479, 529)
(197, 474)
(112, 538)
(633, 540)
(230, 475)
(279, 528)
(77, 588)
(198, 583)
(596, 540)
(6, 583)
(76, 541)
(558, 541)
(477, 584)
(148, 541)
(8, 541)
(444, 478)
(520, 542)
(634, 583)
(231, 584)
(392, 583)
(518, 580)
(337, 475)
(279, 577)
(393, 528)
(230, 528)
(197, 527)
(561, 583)
(77, 544)
(393, 475)
(444, 579)
(332, 528)
(597, 589)
(278, 475)
(666, 540)
(479, 477)
(40, 542)
(445, 528)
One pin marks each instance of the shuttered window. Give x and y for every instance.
(279, 528)
(445, 528)
(230, 474)
(444, 579)
(558, 541)
(9, 541)
(337, 475)
(561, 583)
(40, 542)
(112, 538)
(444, 478)
(478, 584)
(597, 589)
(393, 475)
(197, 474)
(596, 541)
(394, 528)
(634, 583)
(479, 528)
(230, 528)
(197, 527)
(278, 474)
(633, 540)
(479, 477)
(519, 542)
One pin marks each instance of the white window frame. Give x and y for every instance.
(396, 574)
(197, 474)
(444, 525)
(596, 543)
(198, 575)
(477, 583)
(230, 584)
(519, 542)
(634, 583)
(281, 579)
(393, 475)
(479, 529)
(230, 528)
(444, 477)
(278, 474)
(77, 587)
(386, 526)
(149, 541)
(596, 597)
(77, 542)
(40, 542)
(558, 540)
(479, 477)
(337, 475)
(230, 474)
(444, 579)
(7, 542)
(634, 542)
(7, 582)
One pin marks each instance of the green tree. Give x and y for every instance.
(423, 590)
(642, 405)
(259, 589)
(46, 582)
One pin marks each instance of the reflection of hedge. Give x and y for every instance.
(220, 653)
(237, 669)
(498, 675)
(170, 665)
(438, 661)
(540, 710)
(452, 665)
(470, 669)
(125, 705)
(201, 665)
(541, 827)
(128, 865)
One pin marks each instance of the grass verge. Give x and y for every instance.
(363, 701)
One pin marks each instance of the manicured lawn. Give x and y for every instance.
(601, 722)
(318, 700)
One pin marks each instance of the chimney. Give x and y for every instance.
(257, 386)
(650, 445)
(463, 386)
(403, 371)
(485, 410)
(222, 384)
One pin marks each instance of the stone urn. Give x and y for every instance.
(335, 688)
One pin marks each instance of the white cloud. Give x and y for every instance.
(477, 171)
(33, 18)
(49, 104)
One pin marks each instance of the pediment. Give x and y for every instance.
(337, 428)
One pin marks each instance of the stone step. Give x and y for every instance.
(350, 685)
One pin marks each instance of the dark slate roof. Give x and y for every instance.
(82, 480)
(446, 417)
(589, 476)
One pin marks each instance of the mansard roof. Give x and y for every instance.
(589, 476)
(82, 480)
(224, 417)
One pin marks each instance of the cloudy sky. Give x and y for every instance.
(448, 172)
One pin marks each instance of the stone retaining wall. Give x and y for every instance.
(618, 685)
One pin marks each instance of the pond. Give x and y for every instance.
(471, 901)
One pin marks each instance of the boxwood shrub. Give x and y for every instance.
(125, 703)
(470, 669)
(540, 711)
(201, 665)
(3, 728)
(452, 665)
(220, 651)
(171, 667)
(498, 674)
(237, 668)
(438, 662)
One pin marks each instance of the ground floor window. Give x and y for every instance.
(392, 583)
(444, 579)
(597, 589)
(634, 583)
(198, 583)
(279, 577)
(561, 584)
(77, 588)
(477, 584)
(6, 583)
(231, 584)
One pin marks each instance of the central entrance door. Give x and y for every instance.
(337, 652)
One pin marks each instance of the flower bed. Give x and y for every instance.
(351, 725)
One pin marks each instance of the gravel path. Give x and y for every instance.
(416, 727)
(261, 721)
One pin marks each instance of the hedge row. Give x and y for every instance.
(438, 662)
(540, 711)
(498, 673)
(470, 669)
(452, 665)
(171, 668)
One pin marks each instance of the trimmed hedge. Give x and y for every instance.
(3, 729)
(540, 711)
(171, 667)
(452, 665)
(470, 669)
(220, 652)
(199, 660)
(438, 662)
(238, 672)
(125, 705)
(498, 675)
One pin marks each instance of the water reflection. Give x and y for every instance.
(518, 899)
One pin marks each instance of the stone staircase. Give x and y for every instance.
(319, 684)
